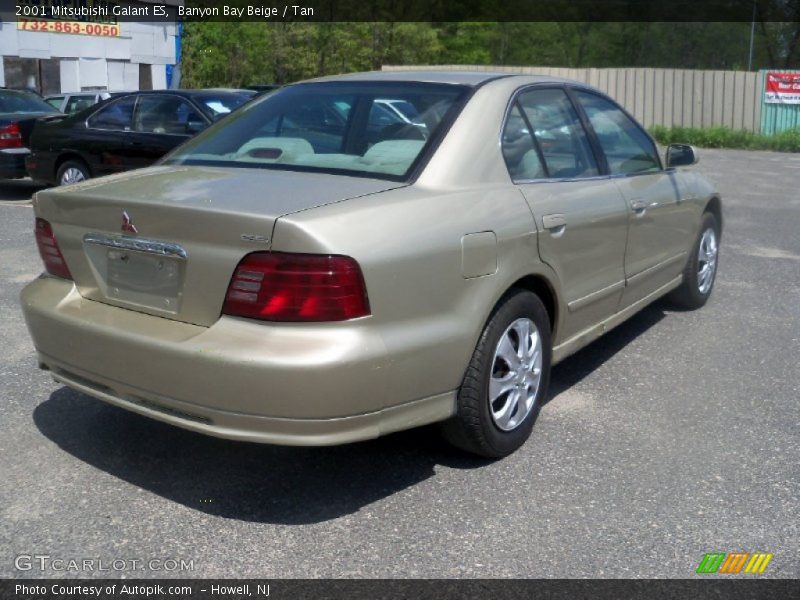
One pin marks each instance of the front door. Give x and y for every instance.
(580, 214)
(659, 222)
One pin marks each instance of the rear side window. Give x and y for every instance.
(559, 133)
(628, 149)
(116, 116)
(519, 150)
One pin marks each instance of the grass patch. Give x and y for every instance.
(723, 137)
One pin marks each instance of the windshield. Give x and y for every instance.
(331, 127)
(222, 104)
(17, 101)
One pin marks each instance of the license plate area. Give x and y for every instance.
(142, 273)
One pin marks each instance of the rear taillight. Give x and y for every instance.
(10, 136)
(277, 286)
(50, 252)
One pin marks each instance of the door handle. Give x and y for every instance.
(552, 222)
(639, 207)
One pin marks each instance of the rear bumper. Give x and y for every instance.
(40, 166)
(294, 385)
(12, 163)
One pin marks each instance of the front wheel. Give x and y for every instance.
(701, 268)
(506, 379)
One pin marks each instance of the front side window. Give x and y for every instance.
(559, 133)
(628, 149)
(116, 116)
(334, 126)
(167, 115)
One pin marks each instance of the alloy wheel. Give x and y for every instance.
(516, 374)
(706, 261)
(72, 175)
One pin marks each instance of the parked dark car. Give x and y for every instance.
(263, 88)
(19, 110)
(123, 133)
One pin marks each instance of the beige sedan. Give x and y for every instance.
(319, 268)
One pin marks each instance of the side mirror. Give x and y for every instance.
(193, 127)
(681, 155)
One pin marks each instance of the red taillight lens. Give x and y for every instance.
(277, 286)
(50, 252)
(10, 136)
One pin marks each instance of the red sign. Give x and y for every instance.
(782, 88)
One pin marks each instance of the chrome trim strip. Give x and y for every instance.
(634, 279)
(579, 340)
(135, 244)
(595, 296)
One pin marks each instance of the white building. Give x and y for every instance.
(134, 56)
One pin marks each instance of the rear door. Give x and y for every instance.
(579, 212)
(659, 222)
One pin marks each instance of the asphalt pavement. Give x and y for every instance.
(676, 434)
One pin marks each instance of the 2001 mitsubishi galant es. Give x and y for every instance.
(316, 269)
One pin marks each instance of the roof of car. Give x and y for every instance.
(224, 89)
(186, 93)
(470, 78)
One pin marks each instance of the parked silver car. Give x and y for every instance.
(296, 274)
(73, 102)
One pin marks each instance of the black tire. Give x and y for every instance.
(72, 164)
(690, 295)
(473, 428)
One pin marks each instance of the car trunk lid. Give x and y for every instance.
(166, 240)
(25, 122)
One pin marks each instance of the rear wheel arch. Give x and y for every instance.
(536, 283)
(544, 289)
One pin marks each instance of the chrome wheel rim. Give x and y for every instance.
(516, 374)
(706, 261)
(72, 175)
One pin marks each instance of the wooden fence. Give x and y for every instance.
(670, 97)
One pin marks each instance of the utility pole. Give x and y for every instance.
(752, 34)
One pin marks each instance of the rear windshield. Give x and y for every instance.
(377, 129)
(13, 101)
(222, 104)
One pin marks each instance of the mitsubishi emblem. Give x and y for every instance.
(127, 224)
